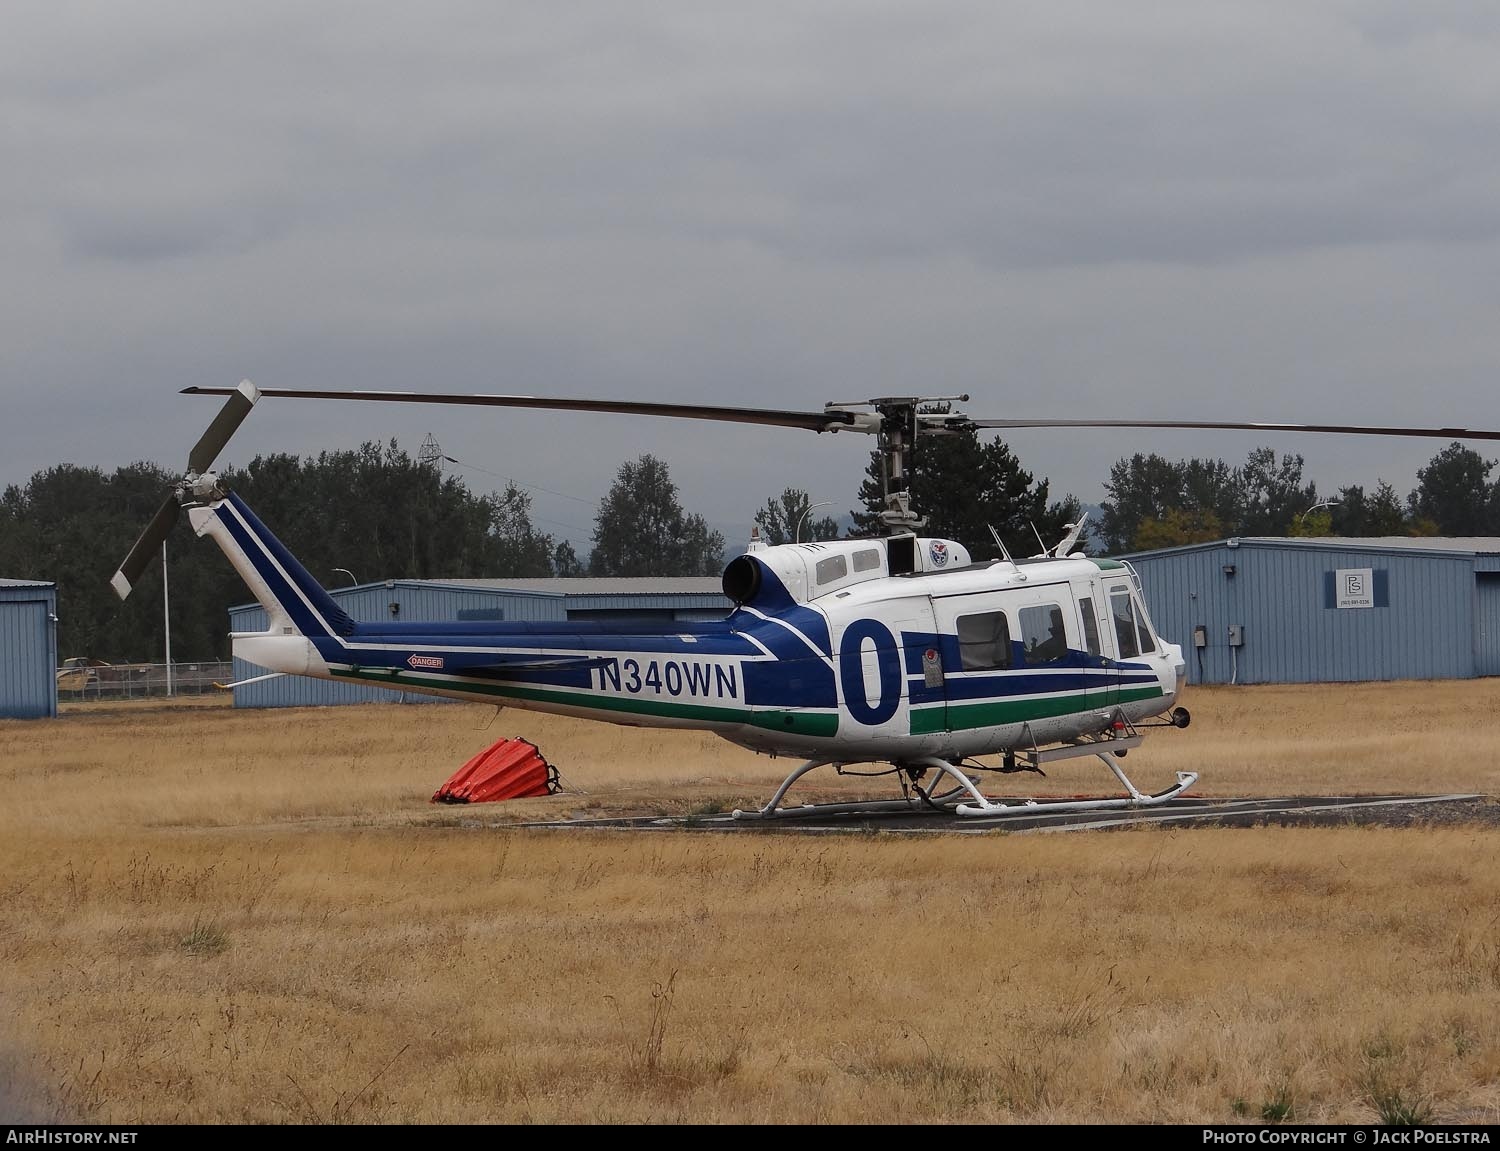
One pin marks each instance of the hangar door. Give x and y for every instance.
(28, 683)
(1487, 624)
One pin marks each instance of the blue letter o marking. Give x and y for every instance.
(852, 672)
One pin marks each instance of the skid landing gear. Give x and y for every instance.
(963, 797)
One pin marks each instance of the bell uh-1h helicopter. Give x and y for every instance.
(899, 650)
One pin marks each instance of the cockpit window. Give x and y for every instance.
(831, 569)
(1148, 643)
(1043, 637)
(1090, 624)
(1126, 635)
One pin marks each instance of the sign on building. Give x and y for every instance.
(1354, 587)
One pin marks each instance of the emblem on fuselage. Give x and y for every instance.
(939, 553)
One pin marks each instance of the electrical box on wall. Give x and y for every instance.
(1236, 635)
(1200, 636)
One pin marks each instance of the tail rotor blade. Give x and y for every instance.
(147, 548)
(230, 416)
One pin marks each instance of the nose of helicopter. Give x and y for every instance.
(1173, 673)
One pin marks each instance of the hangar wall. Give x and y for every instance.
(28, 649)
(1413, 608)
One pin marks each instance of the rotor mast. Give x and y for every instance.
(896, 441)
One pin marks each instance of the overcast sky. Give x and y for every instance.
(1268, 210)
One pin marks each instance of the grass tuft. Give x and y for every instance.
(204, 939)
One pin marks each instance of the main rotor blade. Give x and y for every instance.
(1219, 425)
(147, 548)
(813, 421)
(231, 415)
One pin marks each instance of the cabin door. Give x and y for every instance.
(1016, 655)
(1100, 673)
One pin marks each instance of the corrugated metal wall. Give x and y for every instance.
(418, 601)
(28, 652)
(1425, 627)
(1487, 623)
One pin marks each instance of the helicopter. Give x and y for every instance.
(899, 651)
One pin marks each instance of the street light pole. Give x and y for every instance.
(797, 534)
(166, 616)
(1316, 506)
(347, 572)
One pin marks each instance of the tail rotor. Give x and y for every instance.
(197, 485)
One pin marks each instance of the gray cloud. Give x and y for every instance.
(1268, 211)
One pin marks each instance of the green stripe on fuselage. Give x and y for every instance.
(998, 713)
(792, 721)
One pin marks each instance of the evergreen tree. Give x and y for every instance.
(785, 520)
(373, 511)
(1453, 491)
(641, 529)
(1273, 493)
(565, 561)
(1152, 498)
(963, 487)
(1376, 514)
(1186, 499)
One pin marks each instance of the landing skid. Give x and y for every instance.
(963, 798)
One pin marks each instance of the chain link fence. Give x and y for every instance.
(78, 681)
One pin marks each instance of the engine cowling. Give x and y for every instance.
(770, 577)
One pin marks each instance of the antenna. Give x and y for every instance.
(1000, 543)
(1043, 553)
(429, 455)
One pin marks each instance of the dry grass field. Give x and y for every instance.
(215, 916)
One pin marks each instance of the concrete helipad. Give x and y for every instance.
(1318, 810)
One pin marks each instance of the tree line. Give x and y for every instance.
(1154, 502)
(375, 513)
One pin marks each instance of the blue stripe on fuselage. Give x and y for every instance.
(801, 675)
(338, 620)
(804, 682)
(772, 599)
(1077, 671)
(286, 595)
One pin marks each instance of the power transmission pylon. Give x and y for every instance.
(430, 455)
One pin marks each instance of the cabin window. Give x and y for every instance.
(1043, 636)
(1090, 624)
(1148, 642)
(867, 560)
(831, 569)
(1126, 635)
(984, 641)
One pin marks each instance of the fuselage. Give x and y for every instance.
(851, 650)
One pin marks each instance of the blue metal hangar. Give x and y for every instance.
(1273, 610)
(622, 600)
(28, 649)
